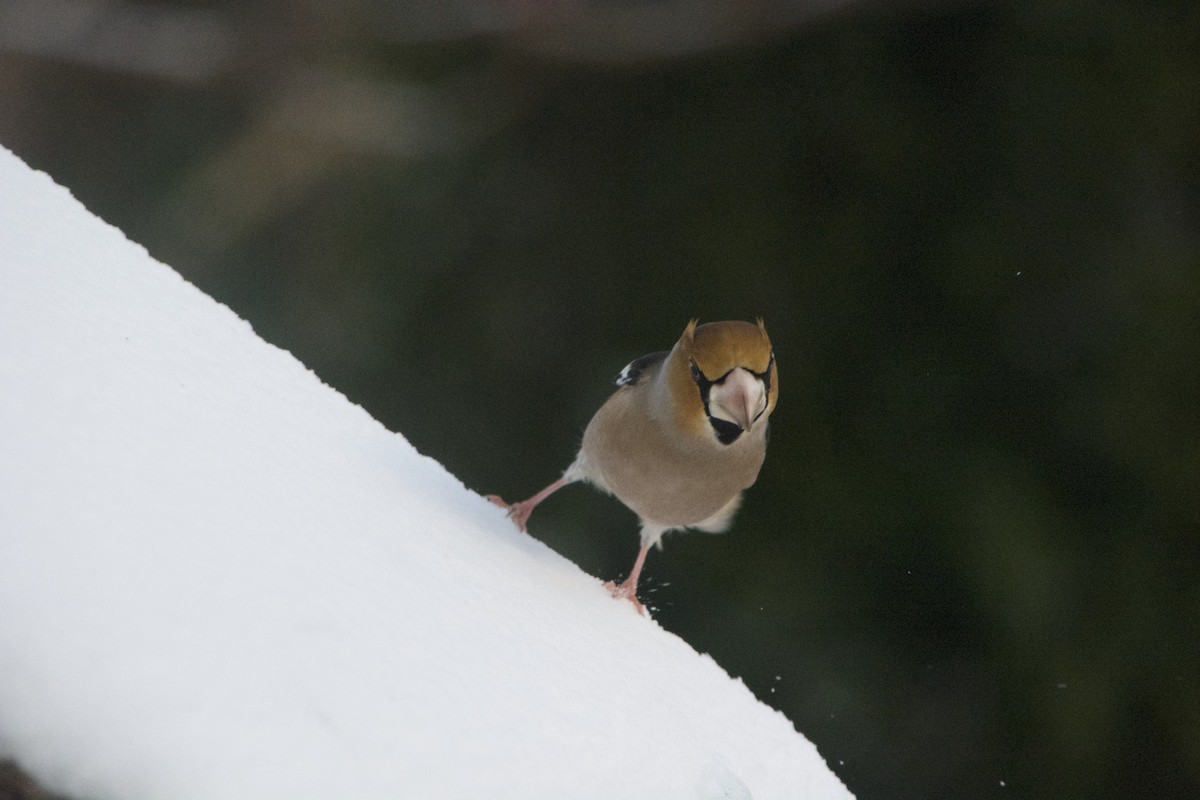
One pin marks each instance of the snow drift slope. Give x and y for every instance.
(220, 579)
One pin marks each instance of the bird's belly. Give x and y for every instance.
(679, 490)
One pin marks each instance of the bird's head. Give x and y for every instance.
(723, 378)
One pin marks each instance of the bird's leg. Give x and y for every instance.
(519, 512)
(628, 587)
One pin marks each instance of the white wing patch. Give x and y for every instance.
(635, 369)
(628, 375)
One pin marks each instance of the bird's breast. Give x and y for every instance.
(664, 477)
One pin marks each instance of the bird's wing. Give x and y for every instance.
(637, 369)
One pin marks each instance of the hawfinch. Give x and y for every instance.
(682, 436)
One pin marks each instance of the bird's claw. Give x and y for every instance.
(624, 591)
(518, 512)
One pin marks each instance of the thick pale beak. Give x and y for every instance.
(737, 399)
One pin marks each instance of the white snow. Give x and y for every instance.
(219, 579)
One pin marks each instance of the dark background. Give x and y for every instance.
(969, 567)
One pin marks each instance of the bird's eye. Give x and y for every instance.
(697, 376)
(765, 375)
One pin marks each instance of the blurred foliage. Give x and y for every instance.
(969, 567)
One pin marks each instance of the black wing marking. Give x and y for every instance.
(636, 369)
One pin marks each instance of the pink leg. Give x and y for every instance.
(628, 587)
(519, 512)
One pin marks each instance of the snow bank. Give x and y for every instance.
(219, 579)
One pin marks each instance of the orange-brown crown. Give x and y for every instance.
(717, 347)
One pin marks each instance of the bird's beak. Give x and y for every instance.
(738, 399)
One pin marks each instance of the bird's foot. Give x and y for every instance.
(518, 512)
(626, 590)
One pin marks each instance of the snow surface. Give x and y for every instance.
(220, 579)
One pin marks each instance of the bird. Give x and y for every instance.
(682, 436)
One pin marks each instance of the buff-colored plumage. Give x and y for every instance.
(682, 437)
